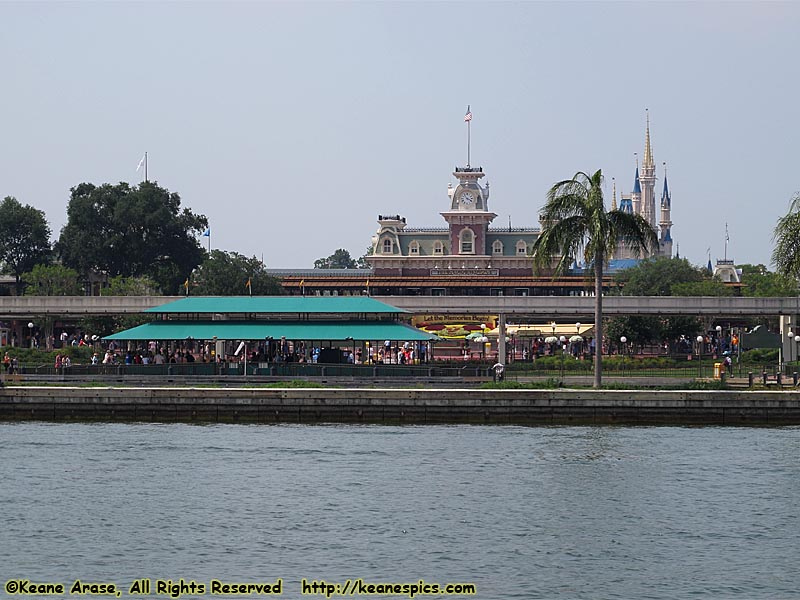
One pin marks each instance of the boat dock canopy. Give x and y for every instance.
(259, 330)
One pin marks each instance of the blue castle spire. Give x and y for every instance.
(666, 199)
(637, 188)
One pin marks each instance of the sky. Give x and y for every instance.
(293, 125)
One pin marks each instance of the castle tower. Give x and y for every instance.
(636, 194)
(665, 224)
(648, 181)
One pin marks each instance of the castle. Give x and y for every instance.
(642, 201)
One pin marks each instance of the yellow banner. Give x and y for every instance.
(454, 326)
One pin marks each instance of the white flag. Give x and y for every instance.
(141, 162)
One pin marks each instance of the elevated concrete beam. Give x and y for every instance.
(12, 307)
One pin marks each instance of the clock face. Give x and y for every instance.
(467, 198)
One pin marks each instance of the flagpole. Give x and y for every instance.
(726, 241)
(145, 167)
(469, 129)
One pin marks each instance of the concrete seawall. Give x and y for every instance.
(399, 406)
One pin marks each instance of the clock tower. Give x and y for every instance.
(469, 216)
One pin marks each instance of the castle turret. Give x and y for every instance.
(665, 223)
(636, 194)
(648, 180)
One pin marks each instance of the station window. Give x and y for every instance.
(467, 238)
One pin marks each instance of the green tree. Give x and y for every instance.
(130, 286)
(575, 222)
(786, 254)
(227, 273)
(706, 287)
(24, 238)
(52, 280)
(340, 259)
(657, 276)
(760, 282)
(132, 232)
(362, 260)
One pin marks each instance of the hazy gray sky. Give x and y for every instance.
(293, 125)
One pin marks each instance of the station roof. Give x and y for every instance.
(260, 330)
(275, 305)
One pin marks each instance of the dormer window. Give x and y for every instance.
(467, 241)
(413, 248)
(438, 248)
(522, 248)
(387, 246)
(497, 247)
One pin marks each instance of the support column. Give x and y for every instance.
(501, 339)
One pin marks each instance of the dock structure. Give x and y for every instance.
(399, 406)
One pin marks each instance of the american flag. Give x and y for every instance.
(468, 116)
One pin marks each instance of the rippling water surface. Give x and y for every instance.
(567, 512)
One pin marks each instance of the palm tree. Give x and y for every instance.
(786, 255)
(575, 221)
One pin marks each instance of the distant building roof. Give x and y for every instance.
(320, 272)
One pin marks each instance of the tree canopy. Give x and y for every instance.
(227, 273)
(24, 238)
(759, 281)
(786, 254)
(130, 286)
(52, 280)
(340, 259)
(655, 277)
(129, 231)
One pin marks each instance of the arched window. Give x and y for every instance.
(413, 248)
(438, 247)
(387, 246)
(497, 247)
(522, 248)
(467, 239)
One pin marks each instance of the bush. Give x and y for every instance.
(36, 356)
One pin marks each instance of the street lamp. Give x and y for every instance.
(700, 354)
(563, 341)
(30, 332)
(623, 340)
(719, 338)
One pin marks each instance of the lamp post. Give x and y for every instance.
(563, 341)
(700, 355)
(623, 341)
(30, 332)
(718, 328)
(578, 332)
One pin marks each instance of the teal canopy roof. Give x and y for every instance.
(259, 330)
(276, 305)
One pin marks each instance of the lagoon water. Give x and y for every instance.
(549, 512)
